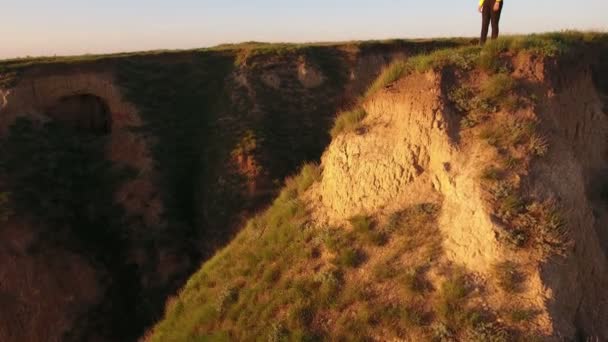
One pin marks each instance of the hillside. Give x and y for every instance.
(463, 197)
(121, 174)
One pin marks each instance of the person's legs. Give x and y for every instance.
(496, 20)
(486, 16)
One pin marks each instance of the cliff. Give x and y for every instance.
(120, 174)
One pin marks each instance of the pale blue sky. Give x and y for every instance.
(60, 27)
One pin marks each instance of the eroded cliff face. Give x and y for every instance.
(412, 148)
(197, 155)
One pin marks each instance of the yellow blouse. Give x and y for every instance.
(481, 2)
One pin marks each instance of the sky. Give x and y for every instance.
(68, 27)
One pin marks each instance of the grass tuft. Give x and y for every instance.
(392, 73)
(348, 121)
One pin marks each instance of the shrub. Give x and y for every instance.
(491, 173)
(441, 332)
(302, 314)
(272, 274)
(491, 135)
(363, 227)
(393, 222)
(384, 270)
(462, 97)
(511, 163)
(522, 315)
(361, 223)
(496, 91)
(519, 131)
(413, 281)
(487, 332)
(452, 293)
(544, 219)
(348, 121)
(508, 277)
(330, 286)
(226, 298)
(507, 201)
(278, 333)
(538, 146)
(350, 257)
(413, 315)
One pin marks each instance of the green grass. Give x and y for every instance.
(392, 73)
(269, 286)
(348, 121)
(270, 245)
(450, 303)
(497, 92)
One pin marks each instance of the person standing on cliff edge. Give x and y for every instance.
(490, 13)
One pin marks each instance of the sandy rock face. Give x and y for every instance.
(405, 153)
(366, 170)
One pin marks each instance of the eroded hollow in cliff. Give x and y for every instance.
(83, 111)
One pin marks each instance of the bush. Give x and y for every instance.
(522, 315)
(348, 121)
(384, 270)
(509, 279)
(226, 298)
(462, 97)
(363, 227)
(487, 332)
(302, 314)
(492, 173)
(413, 281)
(330, 286)
(496, 91)
(350, 257)
(452, 293)
(549, 228)
(538, 146)
(413, 315)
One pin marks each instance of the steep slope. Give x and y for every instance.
(461, 199)
(132, 169)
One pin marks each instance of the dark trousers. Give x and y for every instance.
(490, 16)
